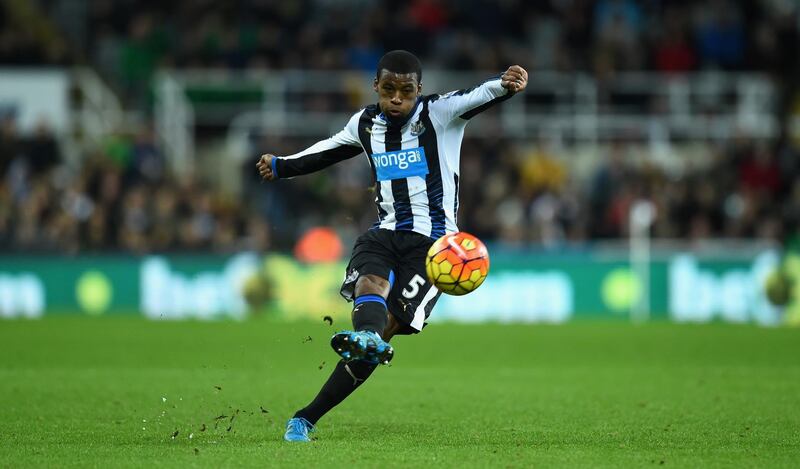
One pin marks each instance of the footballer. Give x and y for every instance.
(412, 143)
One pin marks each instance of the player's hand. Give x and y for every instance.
(264, 166)
(515, 79)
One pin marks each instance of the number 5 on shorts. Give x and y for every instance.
(413, 286)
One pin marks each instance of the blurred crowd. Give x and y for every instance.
(124, 197)
(520, 195)
(121, 199)
(129, 39)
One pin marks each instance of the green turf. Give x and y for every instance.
(83, 392)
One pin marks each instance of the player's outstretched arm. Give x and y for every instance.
(467, 103)
(342, 146)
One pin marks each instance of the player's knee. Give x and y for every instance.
(372, 285)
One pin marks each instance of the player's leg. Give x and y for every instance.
(343, 381)
(365, 341)
(369, 279)
(367, 284)
(392, 329)
(410, 302)
(369, 306)
(412, 297)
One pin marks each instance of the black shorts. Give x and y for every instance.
(398, 256)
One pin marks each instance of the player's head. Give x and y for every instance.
(398, 82)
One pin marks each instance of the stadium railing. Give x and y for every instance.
(575, 110)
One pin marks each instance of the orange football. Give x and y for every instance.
(457, 263)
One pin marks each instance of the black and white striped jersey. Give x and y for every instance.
(415, 163)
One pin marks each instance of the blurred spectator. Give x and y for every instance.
(759, 171)
(673, 49)
(10, 143)
(41, 150)
(148, 163)
(720, 34)
(608, 191)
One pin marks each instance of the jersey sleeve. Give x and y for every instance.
(342, 146)
(467, 103)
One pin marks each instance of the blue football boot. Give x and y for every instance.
(362, 345)
(297, 429)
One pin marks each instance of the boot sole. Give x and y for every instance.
(352, 348)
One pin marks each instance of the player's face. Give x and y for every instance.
(397, 93)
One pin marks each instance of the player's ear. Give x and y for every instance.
(375, 84)
(419, 89)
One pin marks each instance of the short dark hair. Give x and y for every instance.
(399, 61)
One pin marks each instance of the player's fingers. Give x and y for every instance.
(515, 82)
(264, 159)
(514, 76)
(518, 72)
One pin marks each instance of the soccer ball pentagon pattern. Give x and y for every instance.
(457, 263)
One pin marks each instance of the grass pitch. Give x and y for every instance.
(125, 392)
